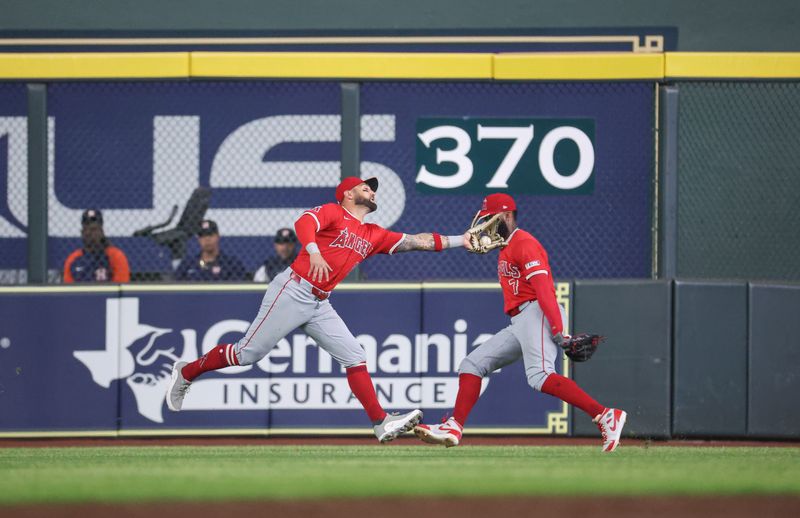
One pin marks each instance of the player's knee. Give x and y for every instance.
(536, 378)
(247, 356)
(351, 364)
(353, 360)
(468, 366)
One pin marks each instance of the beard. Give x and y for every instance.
(502, 229)
(371, 205)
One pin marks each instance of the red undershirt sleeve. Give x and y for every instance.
(547, 301)
(306, 229)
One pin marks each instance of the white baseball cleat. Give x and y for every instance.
(610, 423)
(395, 424)
(178, 388)
(448, 433)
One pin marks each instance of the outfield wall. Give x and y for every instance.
(739, 25)
(271, 133)
(670, 185)
(101, 364)
(685, 359)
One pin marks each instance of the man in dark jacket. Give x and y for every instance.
(211, 264)
(285, 254)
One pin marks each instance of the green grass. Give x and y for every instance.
(111, 474)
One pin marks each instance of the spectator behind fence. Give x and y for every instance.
(98, 260)
(211, 264)
(285, 254)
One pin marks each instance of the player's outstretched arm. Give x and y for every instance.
(432, 242)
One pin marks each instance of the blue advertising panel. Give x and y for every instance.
(55, 373)
(608, 125)
(183, 327)
(13, 179)
(103, 363)
(578, 157)
(267, 150)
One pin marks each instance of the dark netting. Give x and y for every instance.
(605, 234)
(260, 152)
(739, 184)
(13, 183)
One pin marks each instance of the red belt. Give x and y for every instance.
(321, 295)
(517, 310)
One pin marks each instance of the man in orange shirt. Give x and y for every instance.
(98, 260)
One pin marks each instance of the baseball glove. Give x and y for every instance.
(579, 348)
(483, 236)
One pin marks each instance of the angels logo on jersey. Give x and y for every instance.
(506, 269)
(353, 241)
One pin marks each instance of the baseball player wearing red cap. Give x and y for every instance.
(535, 331)
(334, 239)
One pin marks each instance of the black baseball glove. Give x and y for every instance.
(578, 348)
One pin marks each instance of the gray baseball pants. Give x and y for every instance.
(528, 336)
(287, 305)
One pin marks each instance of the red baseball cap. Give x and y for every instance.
(496, 203)
(354, 181)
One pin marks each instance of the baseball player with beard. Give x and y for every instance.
(334, 239)
(534, 334)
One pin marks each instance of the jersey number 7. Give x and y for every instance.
(514, 283)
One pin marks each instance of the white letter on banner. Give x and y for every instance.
(442, 344)
(457, 156)
(522, 137)
(15, 129)
(396, 355)
(176, 159)
(240, 163)
(585, 153)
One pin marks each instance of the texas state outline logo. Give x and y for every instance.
(140, 354)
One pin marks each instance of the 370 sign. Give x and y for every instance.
(535, 156)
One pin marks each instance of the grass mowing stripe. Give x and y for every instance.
(112, 474)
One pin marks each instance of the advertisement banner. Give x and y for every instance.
(13, 134)
(103, 364)
(474, 139)
(62, 373)
(577, 157)
(522, 156)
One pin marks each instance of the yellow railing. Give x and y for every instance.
(538, 66)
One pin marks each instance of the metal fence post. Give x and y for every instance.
(351, 142)
(351, 130)
(37, 183)
(668, 183)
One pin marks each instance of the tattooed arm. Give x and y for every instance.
(431, 242)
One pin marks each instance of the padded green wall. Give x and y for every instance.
(738, 181)
(713, 25)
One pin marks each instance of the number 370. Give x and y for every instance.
(522, 136)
